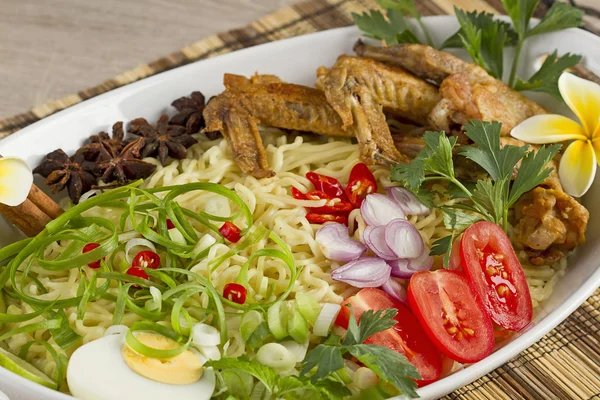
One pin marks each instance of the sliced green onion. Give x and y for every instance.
(276, 325)
(308, 306)
(297, 326)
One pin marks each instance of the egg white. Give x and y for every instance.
(97, 371)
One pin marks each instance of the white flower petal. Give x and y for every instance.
(548, 128)
(577, 168)
(15, 180)
(583, 97)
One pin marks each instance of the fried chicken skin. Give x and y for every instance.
(359, 88)
(467, 90)
(264, 99)
(237, 112)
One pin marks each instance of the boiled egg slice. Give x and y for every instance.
(97, 371)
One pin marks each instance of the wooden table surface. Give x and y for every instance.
(52, 48)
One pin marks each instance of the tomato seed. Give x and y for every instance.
(502, 290)
(452, 330)
(469, 331)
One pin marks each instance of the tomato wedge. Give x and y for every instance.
(451, 315)
(406, 337)
(496, 275)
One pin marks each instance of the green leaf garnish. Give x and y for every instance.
(560, 16)
(546, 78)
(490, 198)
(326, 360)
(485, 22)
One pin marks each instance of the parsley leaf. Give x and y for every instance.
(441, 246)
(485, 43)
(520, 12)
(559, 16)
(371, 322)
(393, 30)
(327, 359)
(390, 366)
(268, 376)
(407, 7)
(498, 162)
(456, 219)
(437, 158)
(492, 196)
(546, 78)
(482, 21)
(532, 171)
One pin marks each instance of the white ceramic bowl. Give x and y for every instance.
(296, 60)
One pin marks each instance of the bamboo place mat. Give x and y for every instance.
(565, 364)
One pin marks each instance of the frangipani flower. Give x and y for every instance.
(15, 180)
(579, 161)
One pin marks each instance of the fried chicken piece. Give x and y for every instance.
(549, 223)
(468, 91)
(386, 85)
(237, 112)
(359, 88)
(264, 99)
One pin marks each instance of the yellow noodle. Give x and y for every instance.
(271, 204)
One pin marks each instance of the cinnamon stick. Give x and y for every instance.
(44, 202)
(28, 217)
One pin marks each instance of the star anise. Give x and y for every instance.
(62, 171)
(162, 140)
(124, 166)
(91, 151)
(190, 114)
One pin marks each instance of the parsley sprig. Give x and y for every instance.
(560, 16)
(484, 36)
(393, 368)
(394, 29)
(490, 199)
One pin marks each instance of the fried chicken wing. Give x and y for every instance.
(468, 91)
(237, 112)
(359, 88)
(389, 86)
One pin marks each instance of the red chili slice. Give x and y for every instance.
(235, 292)
(315, 218)
(231, 232)
(146, 259)
(137, 271)
(170, 224)
(89, 247)
(361, 183)
(326, 184)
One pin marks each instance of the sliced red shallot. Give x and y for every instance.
(408, 201)
(364, 272)
(404, 239)
(378, 209)
(404, 268)
(374, 237)
(336, 244)
(395, 289)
